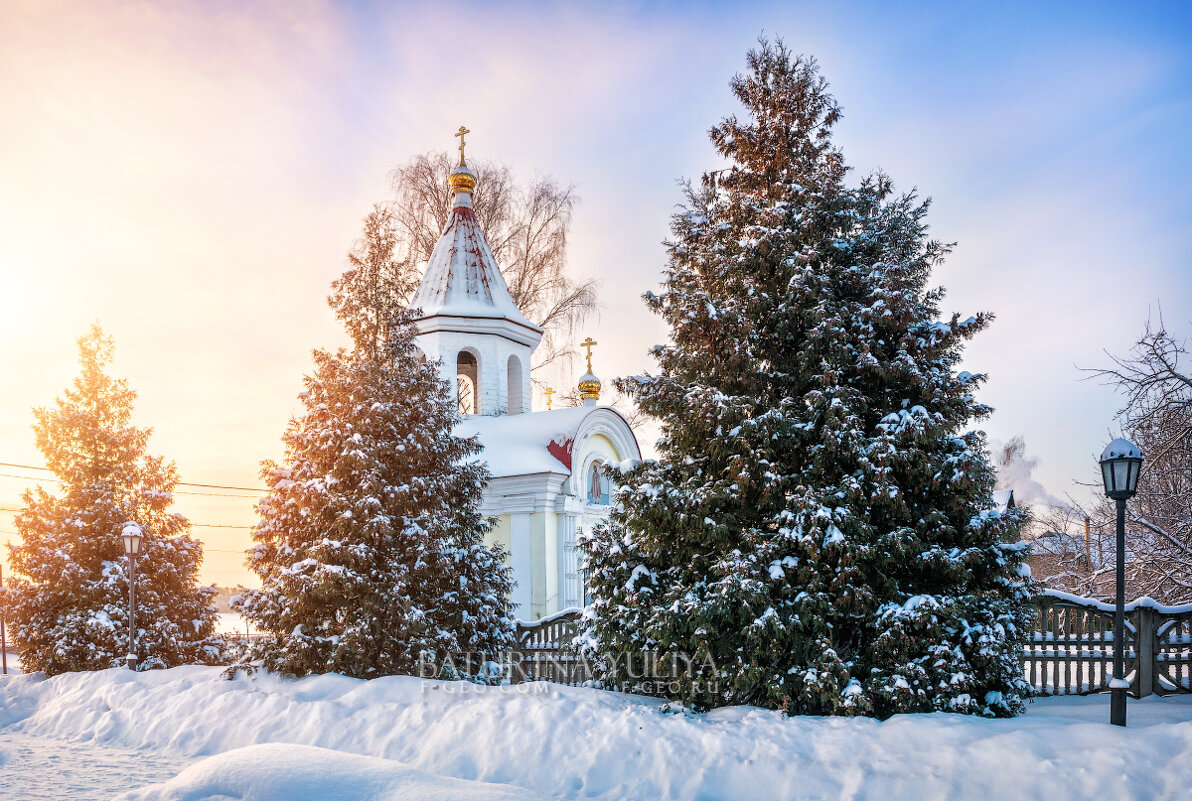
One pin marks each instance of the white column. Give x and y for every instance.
(569, 580)
(519, 558)
(527, 387)
(493, 378)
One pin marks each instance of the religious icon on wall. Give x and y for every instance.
(597, 485)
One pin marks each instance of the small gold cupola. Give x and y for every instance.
(461, 178)
(589, 384)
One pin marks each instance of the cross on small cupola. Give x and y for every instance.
(462, 131)
(587, 345)
(461, 180)
(589, 384)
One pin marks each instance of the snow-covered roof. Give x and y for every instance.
(1003, 499)
(1057, 543)
(535, 442)
(462, 278)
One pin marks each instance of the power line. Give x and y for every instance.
(193, 525)
(175, 492)
(31, 478)
(215, 494)
(221, 486)
(180, 483)
(205, 549)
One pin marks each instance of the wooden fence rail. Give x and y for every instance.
(1069, 652)
(545, 651)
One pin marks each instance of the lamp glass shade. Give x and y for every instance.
(1121, 464)
(132, 541)
(1107, 477)
(1121, 474)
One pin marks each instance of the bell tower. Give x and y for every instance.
(466, 317)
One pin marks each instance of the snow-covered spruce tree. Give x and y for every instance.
(370, 544)
(69, 600)
(817, 535)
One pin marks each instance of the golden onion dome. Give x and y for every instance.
(589, 387)
(462, 179)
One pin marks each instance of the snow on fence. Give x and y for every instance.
(544, 651)
(1070, 651)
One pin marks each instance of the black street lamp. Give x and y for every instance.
(1121, 462)
(131, 535)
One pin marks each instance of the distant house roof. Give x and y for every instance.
(1057, 543)
(1004, 499)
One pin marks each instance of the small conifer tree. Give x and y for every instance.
(370, 544)
(69, 601)
(819, 534)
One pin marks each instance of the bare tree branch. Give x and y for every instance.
(1157, 416)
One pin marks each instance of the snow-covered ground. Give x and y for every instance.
(331, 737)
(230, 623)
(36, 768)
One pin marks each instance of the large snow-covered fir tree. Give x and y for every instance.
(818, 533)
(370, 544)
(69, 601)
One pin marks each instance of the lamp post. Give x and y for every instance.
(131, 535)
(1121, 462)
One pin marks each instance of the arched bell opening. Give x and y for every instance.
(467, 377)
(516, 401)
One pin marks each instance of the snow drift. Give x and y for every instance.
(299, 772)
(578, 743)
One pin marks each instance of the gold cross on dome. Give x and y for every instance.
(550, 393)
(588, 344)
(460, 134)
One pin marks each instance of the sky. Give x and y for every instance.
(192, 175)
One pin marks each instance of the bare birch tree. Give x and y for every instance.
(1157, 416)
(526, 226)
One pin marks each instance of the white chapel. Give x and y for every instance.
(546, 487)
